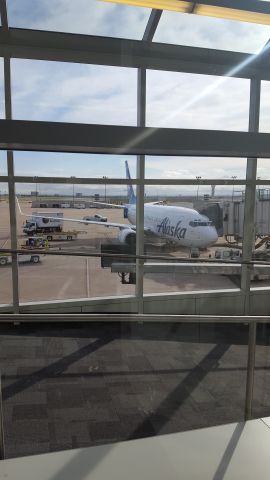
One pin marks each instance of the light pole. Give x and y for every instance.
(233, 177)
(105, 178)
(73, 187)
(198, 178)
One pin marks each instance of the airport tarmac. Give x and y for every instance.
(66, 277)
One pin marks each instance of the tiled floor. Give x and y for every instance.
(67, 386)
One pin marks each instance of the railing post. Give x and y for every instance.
(250, 369)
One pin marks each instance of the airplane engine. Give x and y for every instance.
(128, 236)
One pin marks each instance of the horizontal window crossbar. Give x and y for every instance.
(124, 140)
(119, 181)
(76, 48)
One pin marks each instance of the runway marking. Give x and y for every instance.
(5, 241)
(65, 287)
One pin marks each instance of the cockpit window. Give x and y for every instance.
(200, 223)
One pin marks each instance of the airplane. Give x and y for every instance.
(180, 225)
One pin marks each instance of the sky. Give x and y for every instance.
(64, 92)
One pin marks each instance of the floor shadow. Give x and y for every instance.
(54, 369)
(227, 456)
(153, 424)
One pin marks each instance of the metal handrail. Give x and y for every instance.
(131, 256)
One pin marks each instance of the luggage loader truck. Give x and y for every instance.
(41, 223)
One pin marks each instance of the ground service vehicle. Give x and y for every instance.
(22, 258)
(72, 235)
(233, 254)
(44, 223)
(96, 218)
(228, 254)
(79, 205)
(194, 252)
(33, 243)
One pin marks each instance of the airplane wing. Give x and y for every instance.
(113, 205)
(121, 226)
(110, 205)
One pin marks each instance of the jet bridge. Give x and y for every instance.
(233, 218)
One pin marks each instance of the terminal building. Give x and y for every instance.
(116, 359)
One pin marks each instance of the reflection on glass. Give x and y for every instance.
(65, 92)
(85, 17)
(5, 259)
(181, 100)
(106, 383)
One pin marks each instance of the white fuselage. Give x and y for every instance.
(182, 225)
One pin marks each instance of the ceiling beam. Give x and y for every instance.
(62, 47)
(110, 139)
(245, 5)
(152, 24)
(3, 14)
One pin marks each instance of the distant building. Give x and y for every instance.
(34, 193)
(79, 194)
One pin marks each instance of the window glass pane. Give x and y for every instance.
(2, 103)
(5, 259)
(88, 17)
(190, 167)
(263, 170)
(97, 384)
(194, 224)
(3, 163)
(262, 227)
(264, 107)
(261, 404)
(77, 93)
(207, 32)
(70, 207)
(181, 100)
(57, 164)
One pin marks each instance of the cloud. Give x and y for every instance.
(73, 93)
(90, 17)
(207, 32)
(181, 100)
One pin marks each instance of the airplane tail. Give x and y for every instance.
(130, 191)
